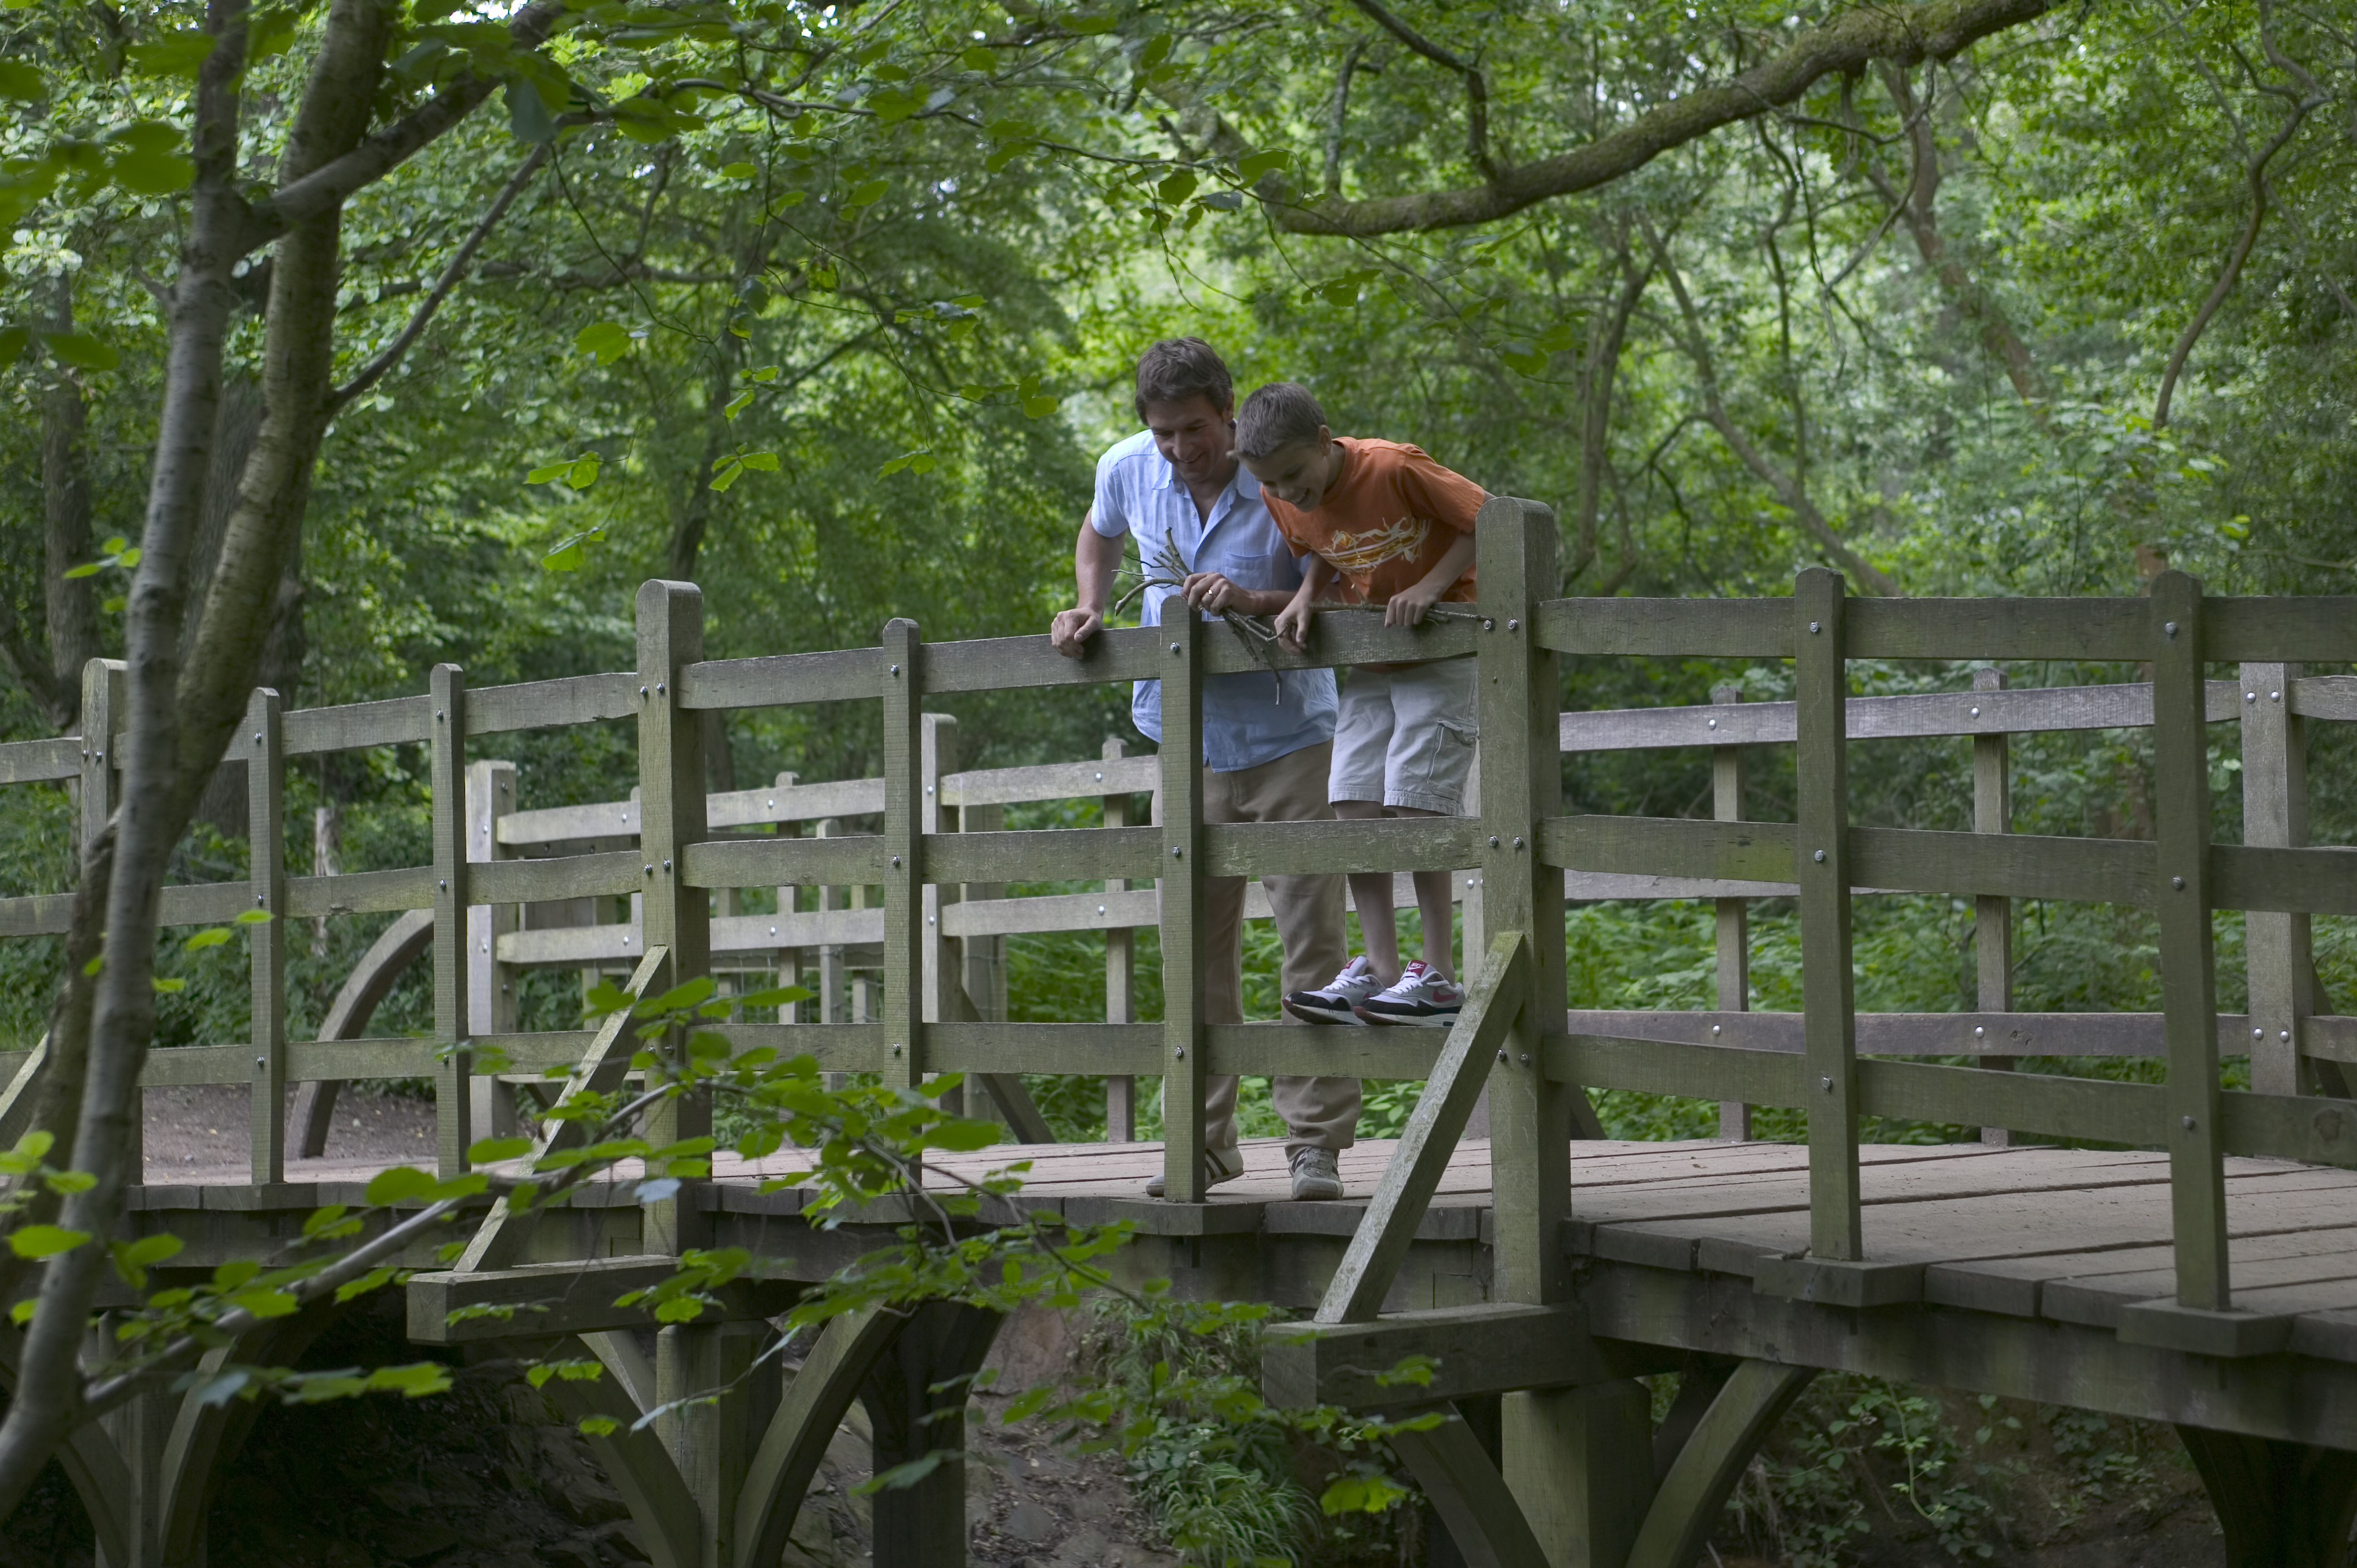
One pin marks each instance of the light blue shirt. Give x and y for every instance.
(1245, 720)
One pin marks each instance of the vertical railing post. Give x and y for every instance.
(446, 778)
(490, 984)
(904, 920)
(2276, 944)
(265, 838)
(790, 959)
(937, 754)
(1181, 869)
(1121, 978)
(2189, 980)
(1993, 913)
(671, 808)
(103, 698)
(1822, 849)
(1733, 915)
(1531, 1118)
(831, 899)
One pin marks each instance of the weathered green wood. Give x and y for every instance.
(2317, 630)
(1465, 1487)
(2175, 637)
(2313, 1130)
(362, 892)
(498, 1242)
(1489, 1349)
(676, 916)
(1279, 1048)
(1046, 855)
(1121, 943)
(1531, 1117)
(1113, 775)
(852, 860)
(905, 849)
(1671, 628)
(575, 1298)
(634, 1459)
(490, 984)
(1348, 638)
(1671, 846)
(782, 680)
(551, 704)
(2321, 880)
(1180, 870)
(786, 802)
(40, 761)
(38, 914)
(348, 1012)
(2280, 1504)
(937, 967)
(2016, 865)
(1687, 1506)
(1992, 914)
(2276, 946)
(1731, 917)
(915, 1396)
(796, 1439)
(2088, 1108)
(265, 797)
(712, 1440)
(2083, 629)
(395, 721)
(1579, 1462)
(1394, 844)
(204, 904)
(1497, 997)
(106, 706)
(1991, 711)
(1820, 862)
(558, 878)
(2324, 697)
(1986, 1034)
(447, 781)
(1006, 1089)
(838, 1047)
(1021, 664)
(1661, 1067)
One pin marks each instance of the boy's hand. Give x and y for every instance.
(1069, 633)
(1293, 626)
(1407, 607)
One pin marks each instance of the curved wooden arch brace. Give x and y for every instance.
(916, 1396)
(816, 1402)
(2280, 1505)
(370, 982)
(1709, 1463)
(1471, 1495)
(92, 1464)
(206, 1436)
(640, 1468)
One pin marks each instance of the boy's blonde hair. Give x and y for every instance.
(1280, 414)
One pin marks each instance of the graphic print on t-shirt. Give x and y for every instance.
(1359, 553)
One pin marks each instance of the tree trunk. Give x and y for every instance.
(71, 605)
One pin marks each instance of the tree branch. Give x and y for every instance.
(1476, 89)
(1904, 34)
(1338, 112)
(376, 369)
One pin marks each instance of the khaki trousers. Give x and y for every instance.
(1321, 1112)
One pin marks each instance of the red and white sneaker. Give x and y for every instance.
(1422, 996)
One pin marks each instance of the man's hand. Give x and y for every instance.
(1293, 626)
(1069, 632)
(1407, 607)
(1209, 591)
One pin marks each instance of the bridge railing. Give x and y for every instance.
(677, 850)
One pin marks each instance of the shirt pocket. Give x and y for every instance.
(1277, 571)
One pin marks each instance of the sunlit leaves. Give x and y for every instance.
(919, 461)
(609, 341)
(45, 1240)
(179, 52)
(82, 351)
(727, 470)
(1252, 166)
(578, 473)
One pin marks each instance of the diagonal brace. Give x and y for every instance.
(1381, 1242)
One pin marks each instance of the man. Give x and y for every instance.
(1178, 486)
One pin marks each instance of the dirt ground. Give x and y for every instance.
(205, 1127)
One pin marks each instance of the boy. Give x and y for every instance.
(1398, 528)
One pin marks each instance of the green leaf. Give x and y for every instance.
(1523, 358)
(490, 1151)
(323, 1219)
(171, 988)
(374, 1279)
(979, 58)
(211, 937)
(414, 1381)
(738, 404)
(528, 114)
(582, 472)
(609, 341)
(87, 569)
(144, 173)
(1258, 164)
(21, 82)
(254, 917)
(1088, 26)
(598, 1425)
(568, 554)
(177, 53)
(791, 198)
(70, 1181)
(266, 1302)
(82, 350)
(738, 171)
(1041, 407)
(1156, 50)
(685, 995)
(12, 343)
(401, 1182)
(1221, 200)
(1176, 188)
(45, 1240)
(868, 193)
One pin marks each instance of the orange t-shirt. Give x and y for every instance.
(1387, 520)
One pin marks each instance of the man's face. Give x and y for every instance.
(1196, 438)
(1298, 474)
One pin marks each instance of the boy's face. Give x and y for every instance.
(1299, 474)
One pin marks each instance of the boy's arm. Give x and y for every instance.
(1407, 607)
(1293, 620)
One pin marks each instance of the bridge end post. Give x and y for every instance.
(454, 1109)
(1828, 990)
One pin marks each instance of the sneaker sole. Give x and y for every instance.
(1319, 1196)
(1427, 1020)
(1319, 1015)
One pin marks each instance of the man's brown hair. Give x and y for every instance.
(1176, 369)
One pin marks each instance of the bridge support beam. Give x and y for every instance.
(2281, 1505)
(915, 1394)
(1580, 1462)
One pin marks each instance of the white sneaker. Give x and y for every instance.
(1219, 1165)
(1316, 1175)
(1422, 996)
(1336, 1001)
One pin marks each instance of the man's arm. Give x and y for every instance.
(1095, 559)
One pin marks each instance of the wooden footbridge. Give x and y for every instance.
(2197, 1265)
